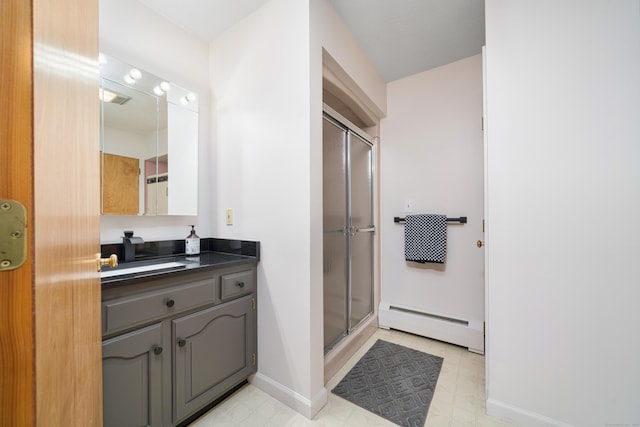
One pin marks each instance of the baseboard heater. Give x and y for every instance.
(466, 333)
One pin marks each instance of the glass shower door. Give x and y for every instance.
(348, 230)
(361, 229)
(335, 245)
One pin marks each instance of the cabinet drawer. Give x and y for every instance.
(130, 311)
(236, 284)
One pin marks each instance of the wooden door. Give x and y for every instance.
(50, 343)
(121, 185)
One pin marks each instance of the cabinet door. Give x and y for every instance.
(214, 351)
(132, 378)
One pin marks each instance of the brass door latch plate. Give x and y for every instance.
(13, 234)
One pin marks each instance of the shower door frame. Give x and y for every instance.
(350, 230)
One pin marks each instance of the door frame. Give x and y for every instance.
(485, 142)
(16, 183)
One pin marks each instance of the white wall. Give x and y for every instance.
(135, 34)
(563, 102)
(432, 154)
(266, 80)
(260, 72)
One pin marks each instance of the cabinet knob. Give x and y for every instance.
(240, 284)
(170, 303)
(157, 350)
(181, 342)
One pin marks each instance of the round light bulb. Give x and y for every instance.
(165, 86)
(190, 97)
(128, 79)
(158, 91)
(102, 59)
(135, 74)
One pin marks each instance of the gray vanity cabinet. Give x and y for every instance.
(173, 345)
(132, 378)
(214, 350)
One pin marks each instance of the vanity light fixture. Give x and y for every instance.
(133, 75)
(190, 97)
(162, 88)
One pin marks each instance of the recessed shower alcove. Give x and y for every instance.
(350, 268)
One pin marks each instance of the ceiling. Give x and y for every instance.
(405, 37)
(401, 37)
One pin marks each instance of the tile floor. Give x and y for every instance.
(457, 402)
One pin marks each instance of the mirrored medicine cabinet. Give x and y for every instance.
(149, 143)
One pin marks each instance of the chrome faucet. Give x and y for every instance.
(128, 246)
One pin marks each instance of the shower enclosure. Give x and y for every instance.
(348, 227)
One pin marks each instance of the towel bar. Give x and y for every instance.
(461, 220)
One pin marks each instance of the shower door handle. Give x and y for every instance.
(340, 230)
(365, 230)
(353, 230)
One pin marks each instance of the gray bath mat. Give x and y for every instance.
(394, 382)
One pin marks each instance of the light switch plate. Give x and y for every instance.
(229, 216)
(408, 205)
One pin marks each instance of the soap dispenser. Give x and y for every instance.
(192, 243)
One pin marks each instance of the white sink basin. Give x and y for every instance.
(131, 270)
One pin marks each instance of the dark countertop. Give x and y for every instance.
(199, 263)
(215, 254)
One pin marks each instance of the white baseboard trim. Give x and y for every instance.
(520, 416)
(307, 407)
(468, 334)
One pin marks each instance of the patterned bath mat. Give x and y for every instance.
(394, 382)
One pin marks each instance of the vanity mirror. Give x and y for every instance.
(149, 143)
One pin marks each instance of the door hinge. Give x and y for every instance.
(484, 328)
(253, 303)
(253, 359)
(13, 234)
(482, 125)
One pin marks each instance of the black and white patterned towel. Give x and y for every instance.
(425, 238)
